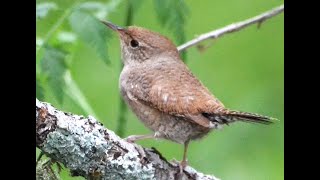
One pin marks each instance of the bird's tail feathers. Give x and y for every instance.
(229, 116)
(251, 117)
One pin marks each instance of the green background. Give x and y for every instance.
(243, 69)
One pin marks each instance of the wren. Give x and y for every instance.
(163, 93)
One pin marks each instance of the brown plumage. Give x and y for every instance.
(165, 95)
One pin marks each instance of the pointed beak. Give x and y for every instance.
(113, 26)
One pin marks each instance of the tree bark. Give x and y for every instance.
(90, 150)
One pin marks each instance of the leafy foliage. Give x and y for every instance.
(54, 66)
(91, 31)
(172, 14)
(100, 9)
(135, 4)
(52, 47)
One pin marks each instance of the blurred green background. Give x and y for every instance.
(243, 69)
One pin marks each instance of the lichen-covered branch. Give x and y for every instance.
(232, 27)
(90, 150)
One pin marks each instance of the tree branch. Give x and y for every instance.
(88, 149)
(232, 27)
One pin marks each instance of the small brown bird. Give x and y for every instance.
(165, 95)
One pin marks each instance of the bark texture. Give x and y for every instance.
(90, 150)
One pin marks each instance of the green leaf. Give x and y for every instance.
(54, 67)
(97, 8)
(136, 4)
(172, 14)
(91, 31)
(100, 10)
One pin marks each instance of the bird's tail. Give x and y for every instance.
(229, 116)
(250, 117)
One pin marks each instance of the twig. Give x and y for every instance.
(89, 150)
(232, 27)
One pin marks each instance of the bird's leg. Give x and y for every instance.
(134, 138)
(184, 161)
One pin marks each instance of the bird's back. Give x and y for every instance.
(174, 89)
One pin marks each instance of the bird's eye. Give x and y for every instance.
(134, 43)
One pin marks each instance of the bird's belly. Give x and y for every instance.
(180, 129)
(177, 129)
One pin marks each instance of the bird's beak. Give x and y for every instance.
(113, 26)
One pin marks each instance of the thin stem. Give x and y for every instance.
(232, 27)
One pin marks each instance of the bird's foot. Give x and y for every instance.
(131, 139)
(134, 138)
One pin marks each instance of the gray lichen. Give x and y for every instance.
(88, 149)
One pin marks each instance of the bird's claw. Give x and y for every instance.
(129, 139)
(142, 154)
